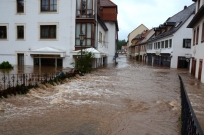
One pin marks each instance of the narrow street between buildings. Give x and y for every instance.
(129, 98)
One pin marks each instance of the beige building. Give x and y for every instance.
(132, 35)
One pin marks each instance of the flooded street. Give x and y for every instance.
(128, 99)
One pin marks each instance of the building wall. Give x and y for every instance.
(133, 34)
(65, 20)
(111, 40)
(197, 50)
(178, 50)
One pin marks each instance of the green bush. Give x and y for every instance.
(84, 64)
(5, 65)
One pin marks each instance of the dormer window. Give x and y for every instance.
(84, 9)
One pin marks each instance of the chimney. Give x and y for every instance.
(185, 7)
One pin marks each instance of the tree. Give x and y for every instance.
(121, 43)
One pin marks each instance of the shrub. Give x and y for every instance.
(5, 65)
(84, 64)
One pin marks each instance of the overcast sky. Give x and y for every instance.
(151, 13)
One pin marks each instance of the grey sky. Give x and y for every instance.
(151, 13)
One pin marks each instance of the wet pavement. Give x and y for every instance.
(127, 99)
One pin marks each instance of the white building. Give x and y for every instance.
(197, 23)
(46, 32)
(172, 41)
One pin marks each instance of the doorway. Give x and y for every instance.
(20, 59)
(200, 69)
(193, 67)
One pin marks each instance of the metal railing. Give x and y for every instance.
(21, 83)
(190, 124)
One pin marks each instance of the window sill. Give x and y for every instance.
(4, 39)
(20, 39)
(20, 13)
(49, 12)
(48, 39)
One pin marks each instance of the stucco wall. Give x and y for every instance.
(197, 50)
(65, 18)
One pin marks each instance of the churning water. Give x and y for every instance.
(127, 99)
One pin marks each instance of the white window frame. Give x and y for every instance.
(7, 31)
(49, 12)
(20, 24)
(49, 39)
(16, 8)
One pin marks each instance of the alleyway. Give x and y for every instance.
(128, 99)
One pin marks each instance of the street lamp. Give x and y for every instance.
(81, 37)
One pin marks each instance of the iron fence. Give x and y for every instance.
(21, 83)
(190, 124)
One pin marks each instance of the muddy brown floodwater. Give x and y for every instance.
(128, 99)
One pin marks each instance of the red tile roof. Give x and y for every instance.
(107, 3)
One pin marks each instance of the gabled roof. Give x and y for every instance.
(176, 22)
(197, 17)
(137, 28)
(107, 3)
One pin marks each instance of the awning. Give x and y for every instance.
(96, 53)
(48, 51)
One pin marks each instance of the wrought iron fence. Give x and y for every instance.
(21, 83)
(190, 124)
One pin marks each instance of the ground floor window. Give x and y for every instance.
(48, 62)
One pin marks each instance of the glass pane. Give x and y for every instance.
(51, 2)
(84, 4)
(44, 32)
(77, 30)
(89, 5)
(84, 29)
(88, 43)
(88, 30)
(77, 42)
(55, 8)
(52, 31)
(3, 32)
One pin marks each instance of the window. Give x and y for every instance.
(20, 32)
(84, 8)
(3, 32)
(186, 43)
(170, 43)
(48, 31)
(100, 37)
(197, 35)
(154, 45)
(162, 44)
(158, 45)
(194, 36)
(203, 33)
(166, 43)
(20, 6)
(48, 5)
(89, 30)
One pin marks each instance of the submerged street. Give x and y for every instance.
(127, 99)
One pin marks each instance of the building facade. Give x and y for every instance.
(131, 36)
(197, 25)
(171, 44)
(46, 32)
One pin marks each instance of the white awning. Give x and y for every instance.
(96, 53)
(48, 51)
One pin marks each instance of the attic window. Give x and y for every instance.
(178, 24)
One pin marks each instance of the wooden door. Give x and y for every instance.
(200, 69)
